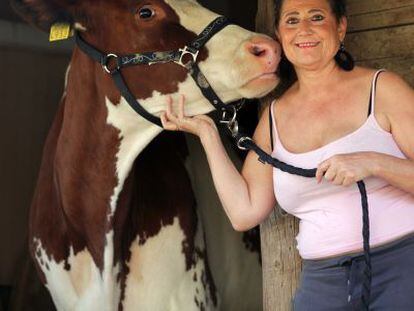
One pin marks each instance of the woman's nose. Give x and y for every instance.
(305, 27)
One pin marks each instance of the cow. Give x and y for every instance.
(113, 226)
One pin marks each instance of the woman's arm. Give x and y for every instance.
(395, 98)
(248, 197)
(395, 104)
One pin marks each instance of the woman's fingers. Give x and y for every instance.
(170, 115)
(176, 120)
(166, 124)
(181, 103)
(320, 172)
(338, 179)
(168, 119)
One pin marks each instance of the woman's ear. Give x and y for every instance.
(342, 27)
(277, 36)
(42, 13)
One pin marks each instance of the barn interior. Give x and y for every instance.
(32, 77)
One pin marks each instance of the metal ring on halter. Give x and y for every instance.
(241, 140)
(187, 51)
(232, 119)
(106, 61)
(233, 127)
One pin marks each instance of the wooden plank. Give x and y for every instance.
(401, 65)
(384, 43)
(377, 20)
(357, 7)
(265, 18)
(281, 262)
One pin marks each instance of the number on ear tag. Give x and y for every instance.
(59, 31)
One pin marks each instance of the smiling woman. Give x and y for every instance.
(369, 30)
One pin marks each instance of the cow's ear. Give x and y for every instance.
(42, 13)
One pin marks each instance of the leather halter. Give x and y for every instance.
(190, 51)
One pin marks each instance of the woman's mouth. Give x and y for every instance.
(307, 45)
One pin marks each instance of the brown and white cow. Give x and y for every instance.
(100, 241)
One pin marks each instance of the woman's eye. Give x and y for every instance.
(292, 21)
(146, 12)
(318, 18)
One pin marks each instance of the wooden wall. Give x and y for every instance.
(380, 35)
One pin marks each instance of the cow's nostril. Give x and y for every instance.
(257, 50)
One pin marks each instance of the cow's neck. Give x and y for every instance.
(100, 139)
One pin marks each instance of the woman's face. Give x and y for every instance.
(309, 33)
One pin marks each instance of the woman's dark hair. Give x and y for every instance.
(343, 58)
(338, 7)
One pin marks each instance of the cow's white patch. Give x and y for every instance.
(135, 133)
(78, 26)
(158, 279)
(83, 287)
(66, 79)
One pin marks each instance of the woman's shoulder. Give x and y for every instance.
(393, 92)
(359, 74)
(387, 77)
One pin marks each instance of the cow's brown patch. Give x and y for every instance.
(78, 174)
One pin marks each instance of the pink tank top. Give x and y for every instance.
(331, 216)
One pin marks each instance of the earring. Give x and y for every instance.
(344, 59)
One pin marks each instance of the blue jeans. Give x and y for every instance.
(335, 284)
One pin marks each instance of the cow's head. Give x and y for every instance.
(238, 63)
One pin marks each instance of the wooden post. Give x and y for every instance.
(280, 260)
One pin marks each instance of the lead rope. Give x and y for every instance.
(246, 143)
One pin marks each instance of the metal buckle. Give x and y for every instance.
(106, 61)
(184, 51)
(241, 140)
(232, 124)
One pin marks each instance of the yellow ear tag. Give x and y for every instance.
(59, 31)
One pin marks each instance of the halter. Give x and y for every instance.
(189, 52)
(229, 112)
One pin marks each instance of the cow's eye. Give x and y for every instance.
(146, 12)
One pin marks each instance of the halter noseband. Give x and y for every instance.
(190, 51)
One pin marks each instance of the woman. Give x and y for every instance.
(328, 118)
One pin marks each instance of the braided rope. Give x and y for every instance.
(366, 285)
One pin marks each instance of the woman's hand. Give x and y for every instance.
(347, 169)
(197, 125)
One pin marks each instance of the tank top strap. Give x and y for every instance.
(371, 108)
(271, 124)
